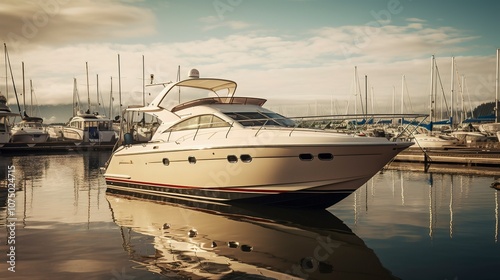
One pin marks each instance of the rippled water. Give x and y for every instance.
(400, 225)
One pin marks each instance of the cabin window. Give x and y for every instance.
(232, 159)
(104, 125)
(260, 119)
(204, 121)
(192, 160)
(246, 158)
(306, 157)
(325, 156)
(166, 161)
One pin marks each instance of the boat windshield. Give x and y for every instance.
(260, 119)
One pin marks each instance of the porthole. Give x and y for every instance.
(325, 156)
(192, 160)
(246, 158)
(306, 157)
(166, 161)
(232, 159)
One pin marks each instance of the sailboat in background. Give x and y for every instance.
(88, 127)
(425, 137)
(493, 129)
(30, 129)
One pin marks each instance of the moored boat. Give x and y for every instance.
(228, 148)
(435, 140)
(89, 128)
(5, 127)
(30, 130)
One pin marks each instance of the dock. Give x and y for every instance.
(484, 159)
(53, 147)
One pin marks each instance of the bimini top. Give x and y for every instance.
(210, 84)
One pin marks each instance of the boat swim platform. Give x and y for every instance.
(53, 146)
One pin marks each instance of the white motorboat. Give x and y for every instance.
(5, 128)
(241, 242)
(231, 148)
(89, 128)
(30, 130)
(424, 140)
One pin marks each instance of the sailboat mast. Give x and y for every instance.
(111, 99)
(75, 107)
(496, 87)
(119, 86)
(452, 119)
(402, 97)
(88, 88)
(97, 89)
(464, 112)
(31, 97)
(6, 74)
(431, 96)
(24, 91)
(355, 90)
(12, 77)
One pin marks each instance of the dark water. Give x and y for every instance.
(400, 225)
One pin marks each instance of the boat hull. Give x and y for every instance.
(291, 175)
(81, 135)
(27, 137)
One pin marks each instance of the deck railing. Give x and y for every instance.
(396, 127)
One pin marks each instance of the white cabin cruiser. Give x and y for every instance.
(223, 149)
(89, 128)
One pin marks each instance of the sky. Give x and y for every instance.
(304, 56)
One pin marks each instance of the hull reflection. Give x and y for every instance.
(222, 241)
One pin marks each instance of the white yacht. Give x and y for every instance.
(227, 148)
(89, 128)
(5, 128)
(30, 130)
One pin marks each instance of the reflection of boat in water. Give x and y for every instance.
(218, 241)
(231, 148)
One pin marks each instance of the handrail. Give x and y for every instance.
(339, 123)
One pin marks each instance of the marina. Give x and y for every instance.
(294, 140)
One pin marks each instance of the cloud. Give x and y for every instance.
(27, 24)
(212, 22)
(316, 65)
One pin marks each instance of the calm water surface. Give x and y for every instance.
(399, 225)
